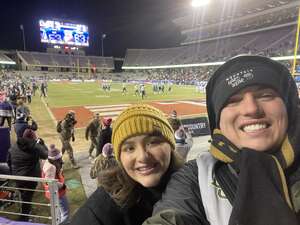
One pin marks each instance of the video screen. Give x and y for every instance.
(58, 32)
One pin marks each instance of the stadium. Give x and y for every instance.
(64, 77)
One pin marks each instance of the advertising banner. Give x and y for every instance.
(197, 126)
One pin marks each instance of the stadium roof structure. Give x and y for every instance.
(5, 60)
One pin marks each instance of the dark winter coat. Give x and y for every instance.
(24, 156)
(100, 209)
(92, 129)
(21, 126)
(104, 137)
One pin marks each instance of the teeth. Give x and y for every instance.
(145, 168)
(254, 127)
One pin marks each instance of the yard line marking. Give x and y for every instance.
(193, 103)
(109, 113)
(105, 106)
(49, 111)
(167, 103)
(100, 109)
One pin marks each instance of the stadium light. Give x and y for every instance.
(199, 3)
(23, 35)
(103, 36)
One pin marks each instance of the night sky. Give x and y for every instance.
(127, 23)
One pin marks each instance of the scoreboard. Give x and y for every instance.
(64, 33)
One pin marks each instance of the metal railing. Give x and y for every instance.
(54, 216)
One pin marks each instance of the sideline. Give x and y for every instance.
(49, 111)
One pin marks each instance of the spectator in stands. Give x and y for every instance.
(52, 169)
(23, 160)
(66, 134)
(104, 135)
(6, 112)
(22, 110)
(184, 142)
(143, 142)
(22, 124)
(105, 161)
(92, 130)
(251, 174)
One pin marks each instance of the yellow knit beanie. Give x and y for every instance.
(137, 120)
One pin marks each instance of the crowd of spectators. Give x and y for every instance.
(230, 27)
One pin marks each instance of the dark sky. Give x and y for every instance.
(127, 23)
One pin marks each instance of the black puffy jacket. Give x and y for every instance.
(24, 156)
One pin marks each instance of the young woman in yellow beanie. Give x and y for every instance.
(144, 144)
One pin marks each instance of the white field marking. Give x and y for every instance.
(102, 96)
(193, 103)
(167, 103)
(106, 106)
(49, 111)
(87, 92)
(107, 109)
(108, 113)
(112, 117)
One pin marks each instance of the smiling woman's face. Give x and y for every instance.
(146, 158)
(256, 118)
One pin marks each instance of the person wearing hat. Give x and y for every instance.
(24, 160)
(6, 112)
(143, 143)
(52, 169)
(103, 162)
(251, 174)
(67, 134)
(105, 135)
(92, 131)
(23, 119)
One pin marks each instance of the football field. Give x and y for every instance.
(88, 98)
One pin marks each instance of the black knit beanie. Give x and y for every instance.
(240, 72)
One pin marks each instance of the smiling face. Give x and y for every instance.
(146, 158)
(255, 118)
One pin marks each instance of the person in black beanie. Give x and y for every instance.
(251, 174)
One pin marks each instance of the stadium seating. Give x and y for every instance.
(4, 58)
(60, 60)
(277, 41)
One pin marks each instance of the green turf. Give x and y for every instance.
(80, 94)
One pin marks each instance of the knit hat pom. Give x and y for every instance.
(107, 150)
(54, 153)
